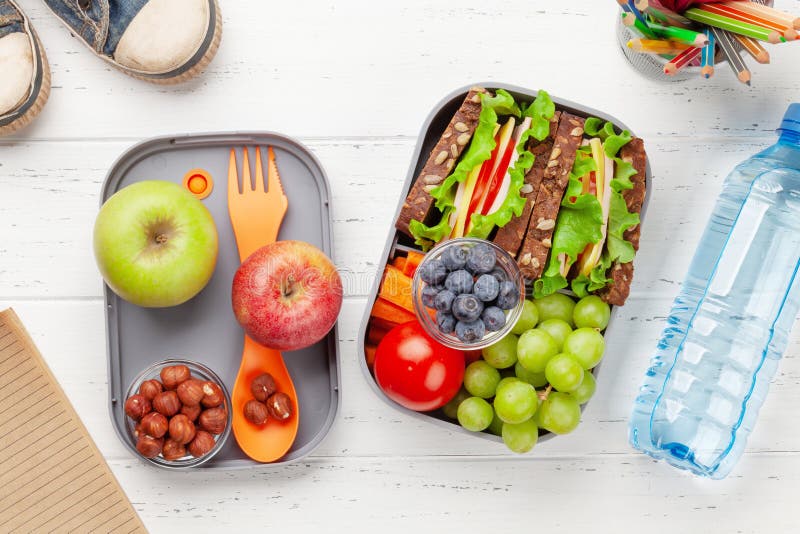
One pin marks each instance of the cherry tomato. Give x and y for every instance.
(415, 370)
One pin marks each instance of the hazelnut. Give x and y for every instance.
(192, 412)
(256, 412)
(150, 388)
(181, 429)
(280, 406)
(137, 431)
(190, 392)
(202, 443)
(149, 447)
(173, 375)
(154, 424)
(213, 420)
(173, 450)
(213, 395)
(167, 403)
(137, 406)
(263, 386)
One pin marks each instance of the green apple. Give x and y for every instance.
(155, 244)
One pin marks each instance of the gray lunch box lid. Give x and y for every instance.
(432, 129)
(204, 328)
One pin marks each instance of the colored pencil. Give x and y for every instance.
(683, 35)
(707, 57)
(735, 13)
(731, 55)
(653, 46)
(658, 12)
(758, 8)
(630, 20)
(637, 12)
(754, 48)
(681, 60)
(733, 25)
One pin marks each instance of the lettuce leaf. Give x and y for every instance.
(541, 111)
(427, 236)
(579, 224)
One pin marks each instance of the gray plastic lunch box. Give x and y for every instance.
(204, 328)
(432, 129)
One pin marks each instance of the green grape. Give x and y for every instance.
(475, 414)
(586, 345)
(481, 379)
(506, 380)
(528, 318)
(534, 348)
(516, 401)
(502, 354)
(555, 306)
(563, 372)
(521, 437)
(591, 312)
(451, 408)
(559, 413)
(558, 330)
(537, 380)
(496, 426)
(586, 389)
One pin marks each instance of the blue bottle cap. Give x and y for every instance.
(791, 119)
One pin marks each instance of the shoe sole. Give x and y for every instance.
(41, 98)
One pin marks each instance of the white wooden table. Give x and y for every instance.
(354, 80)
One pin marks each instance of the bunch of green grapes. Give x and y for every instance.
(538, 375)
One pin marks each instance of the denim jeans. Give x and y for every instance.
(100, 23)
(10, 19)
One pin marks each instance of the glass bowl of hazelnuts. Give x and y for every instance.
(178, 414)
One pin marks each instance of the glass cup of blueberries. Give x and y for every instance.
(468, 293)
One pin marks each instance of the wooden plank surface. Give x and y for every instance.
(369, 72)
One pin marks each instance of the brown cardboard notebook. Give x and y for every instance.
(52, 476)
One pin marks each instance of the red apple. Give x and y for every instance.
(287, 295)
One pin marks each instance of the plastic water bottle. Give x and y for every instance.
(729, 325)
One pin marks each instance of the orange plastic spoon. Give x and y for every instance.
(256, 216)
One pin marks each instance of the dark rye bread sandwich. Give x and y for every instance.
(559, 192)
(542, 223)
(441, 160)
(621, 274)
(510, 236)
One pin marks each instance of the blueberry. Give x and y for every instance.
(444, 300)
(467, 307)
(499, 274)
(470, 331)
(459, 282)
(508, 296)
(432, 272)
(429, 295)
(455, 257)
(481, 259)
(494, 318)
(486, 287)
(446, 322)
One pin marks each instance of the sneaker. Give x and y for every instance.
(160, 41)
(25, 78)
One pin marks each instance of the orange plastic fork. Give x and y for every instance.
(256, 215)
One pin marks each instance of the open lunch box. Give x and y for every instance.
(204, 328)
(399, 245)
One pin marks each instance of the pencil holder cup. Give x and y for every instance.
(652, 65)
